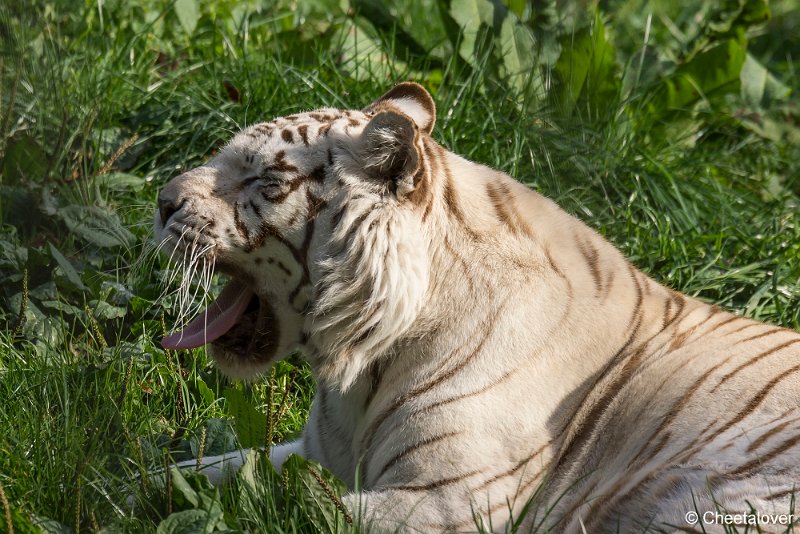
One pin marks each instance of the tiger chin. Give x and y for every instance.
(473, 344)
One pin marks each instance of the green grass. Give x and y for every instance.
(101, 104)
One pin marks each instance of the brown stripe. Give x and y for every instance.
(592, 259)
(265, 231)
(433, 172)
(587, 423)
(376, 373)
(437, 379)
(580, 501)
(241, 227)
(766, 435)
(412, 448)
(636, 315)
(727, 321)
(255, 208)
(264, 128)
(764, 458)
(750, 324)
(782, 494)
(450, 199)
(770, 332)
(554, 266)
(280, 196)
(522, 463)
(322, 117)
(753, 403)
(321, 434)
(680, 338)
(356, 226)
(303, 131)
(287, 136)
(438, 483)
(318, 174)
(497, 193)
(687, 450)
(462, 263)
(503, 505)
(463, 396)
(283, 268)
(610, 277)
(754, 360)
(676, 408)
(667, 311)
(280, 164)
(422, 192)
(314, 206)
(659, 446)
(681, 304)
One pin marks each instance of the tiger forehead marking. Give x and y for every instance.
(474, 345)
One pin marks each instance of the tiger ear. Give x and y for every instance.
(388, 149)
(411, 99)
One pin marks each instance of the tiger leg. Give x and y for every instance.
(223, 467)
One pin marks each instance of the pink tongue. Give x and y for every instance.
(214, 321)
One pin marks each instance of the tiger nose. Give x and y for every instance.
(168, 205)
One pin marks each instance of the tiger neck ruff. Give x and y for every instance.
(474, 344)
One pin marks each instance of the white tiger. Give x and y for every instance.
(473, 343)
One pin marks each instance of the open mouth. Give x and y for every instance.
(238, 320)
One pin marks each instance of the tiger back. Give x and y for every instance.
(479, 353)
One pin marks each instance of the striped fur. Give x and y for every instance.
(473, 344)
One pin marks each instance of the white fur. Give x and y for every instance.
(501, 350)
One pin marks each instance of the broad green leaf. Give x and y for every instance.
(711, 72)
(517, 7)
(733, 13)
(96, 226)
(23, 524)
(727, 19)
(759, 86)
(193, 522)
(383, 20)
(319, 490)
(23, 161)
(192, 490)
(104, 311)
(67, 268)
(587, 72)
(205, 392)
(518, 48)
(572, 68)
(63, 307)
(121, 181)
(183, 494)
(472, 18)
(220, 438)
(260, 490)
(18, 206)
(250, 424)
(188, 14)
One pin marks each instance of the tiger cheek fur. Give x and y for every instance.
(473, 344)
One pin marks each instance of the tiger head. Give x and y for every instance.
(317, 220)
